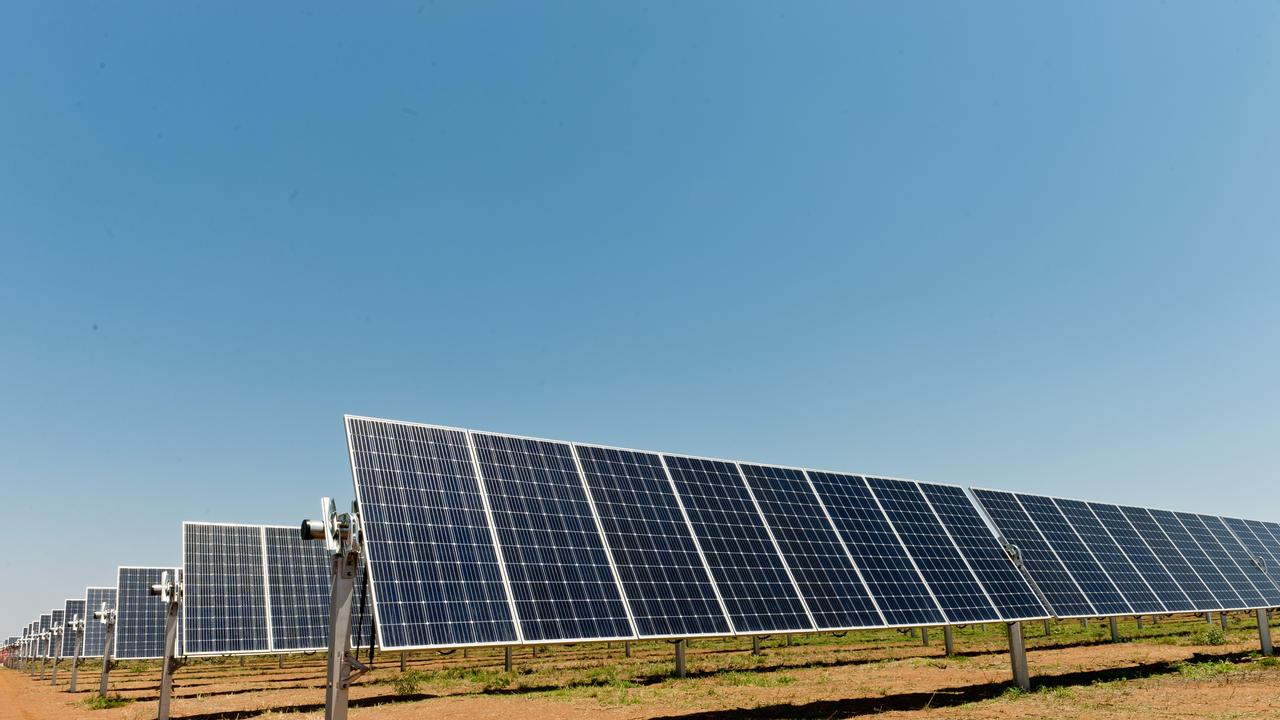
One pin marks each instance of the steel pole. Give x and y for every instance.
(1018, 656)
(108, 647)
(1264, 631)
(680, 669)
(949, 640)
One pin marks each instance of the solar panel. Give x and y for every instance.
(1088, 574)
(435, 576)
(1268, 543)
(1256, 578)
(830, 584)
(1122, 573)
(1039, 559)
(94, 630)
(559, 571)
(224, 608)
(945, 572)
(1145, 559)
(1235, 579)
(1257, 551)
(46, 621)
(1274, 530)
(1226, 597)
(140, 616)
(72, 609)
(758, 592)
(893, 578)
(57, 622)
(1008, 589)
(664, 577)
(1170, 555)
(299, 577)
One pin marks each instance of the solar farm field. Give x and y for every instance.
(1181, 667)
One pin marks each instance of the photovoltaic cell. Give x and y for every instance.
(1178, 565)
(662, 573)
(827, 579)
(1008, 589)
(944, 570)
(888, 570)
(1274, 530)
(72, 609)
(560, 574)
(1199, 561)
(434, 570)
(1235, 578)
(1268, 543)
(1113, 560)
(1088, 574)
(757, 591)
(1146, 561)
(140, 616)
(94, 630)
(298, 583)
(1254, 575)
(224, 607)
(1048, 572)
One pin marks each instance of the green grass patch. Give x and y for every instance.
(97, 702)
(410, 683)
(757, 679)
(1207, 669)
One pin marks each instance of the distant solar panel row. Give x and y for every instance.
(482, 539)
(95, 599)
(1095, 559)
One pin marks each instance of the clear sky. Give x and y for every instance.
(1021, 245)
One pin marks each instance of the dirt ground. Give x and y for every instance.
(1177, 669)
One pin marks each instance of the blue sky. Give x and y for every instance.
(1017, 245)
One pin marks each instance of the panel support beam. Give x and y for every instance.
(342, 536)
(1264, 631)
(1115, 628)
(1018, 656)
(680, 666)
(170, 592)
(506, 659)
(77, 626)
(755, 645)
(55, 639)
(108, 618)
(924, 636)
(949, 640)
(626, 648)
(1223, 617)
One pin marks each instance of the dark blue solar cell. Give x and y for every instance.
(560, 573)
(1205, 568)
(894, 580)
(753, 581)
(95, 633)
(1144, 558)
(1232, 549)
(828, 580)
(428, 542)
(1088, 574)
(667, 585)
(1231, 572)
(1004, 583)
(1257, 554)
(1122, 573)
(944, 570)
(72, 610)
(298, 580)
(1048, 572)
(58, 627)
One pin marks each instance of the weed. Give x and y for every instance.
(1269, 662)
(758, 679)
(409, 683)
(1212, 636)
(1013, 692)
(97, 702)
(1207, 669)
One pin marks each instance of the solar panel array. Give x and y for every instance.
(478, 538)
(1096, 559)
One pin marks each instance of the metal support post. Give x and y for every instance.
(403, 661)
(170, 592)
(77, 645)
(949, 640)
(341, 535)
(1018, 656)
(1115, 629)
(788, 639)
(1264, 631)
(1223, 617)
(680, 669)
(1047, 630)
(1084, 623)
(44, 653)
(108, 618)
(280, 662)
(755, 645)
(924, 636)
(626, 648)
(1208, 617)
(1139, 618)
(57, 656)
(506, 659)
